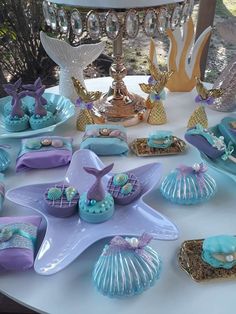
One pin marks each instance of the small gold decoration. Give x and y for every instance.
(205, 93)
(181, 42)
(157, 114)
(140, 148)
(190, 260)
(87, 116)
(198, 117)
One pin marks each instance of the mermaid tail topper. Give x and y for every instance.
(97, 191)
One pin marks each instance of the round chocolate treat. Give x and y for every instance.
(124, 187)
(61, 201)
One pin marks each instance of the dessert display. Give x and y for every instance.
(227, 128)
(5, 158)
(44, 152)
(124, 188)
(16, 120)
(31, 88)
(21, 113)
(18, 237)
(96, 205)
(211, 258)
(212, 146)
(105, 139)
(61, 200)
(188, 185)
(157, 144)
(133, 267)
(155, 89)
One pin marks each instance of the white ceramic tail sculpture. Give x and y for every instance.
(72, 61)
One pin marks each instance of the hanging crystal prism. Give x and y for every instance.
(62, 21)
(52, 16)
(112, 25)
(175, 18)
(93, 25)
(46, 13)
(76, 23)
(162, 21)
(150, 23)
(132, 24)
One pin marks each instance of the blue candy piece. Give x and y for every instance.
(54, 194)
(160, 139)
(33, 144)
(127, 188)
(219, 251)
(120, 179)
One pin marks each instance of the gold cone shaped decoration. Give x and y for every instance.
(83, 119)
(198, 116)
(157, 113)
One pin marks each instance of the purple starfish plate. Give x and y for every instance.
(67, 238)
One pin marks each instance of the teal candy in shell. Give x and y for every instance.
(54, 194)
(220, 251)
(120, 179)
(70, 193)
(127, 188)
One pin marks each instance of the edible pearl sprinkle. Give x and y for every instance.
(229, 258)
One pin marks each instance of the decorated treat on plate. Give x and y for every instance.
(227, 128)
(16, 120)
(5, 158)
(48, 105)
(210, 258)
(96, 205)
(124, 188)
(126, 267)
(207, 143)
(11, 89)
(158, 143)
(41, 117)
(188, 185)
(61, 200)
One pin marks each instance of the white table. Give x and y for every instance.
(71, 291)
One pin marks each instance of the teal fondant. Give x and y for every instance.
(223, 246)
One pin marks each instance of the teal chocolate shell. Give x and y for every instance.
(187, 188)
(219, 251)
(5, 159)
(123, 272)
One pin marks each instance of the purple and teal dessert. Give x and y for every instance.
(17, 120)
(31, 88)
(219, 251)
(61, 201)
(124, 187)
(41, 117)
(96, 205)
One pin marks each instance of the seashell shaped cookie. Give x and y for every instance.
(188, 185)
(126, 267)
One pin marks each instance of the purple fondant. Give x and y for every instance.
(120, 198)
(12, 90)
(14, 258)
(203, 145)
(34, 87)
(61, 208)
(97, 191)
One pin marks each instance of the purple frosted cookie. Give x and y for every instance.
(124, 187)
(61, 200)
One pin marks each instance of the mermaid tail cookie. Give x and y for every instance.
(97, 191)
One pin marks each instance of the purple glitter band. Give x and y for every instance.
(121, 244)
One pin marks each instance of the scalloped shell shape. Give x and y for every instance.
(187, 190)
(5, 159)
(125, 273)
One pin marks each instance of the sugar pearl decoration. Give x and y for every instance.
(196, 167)
(229, 258)
(134, 242)
(46, 142)
(57, 143)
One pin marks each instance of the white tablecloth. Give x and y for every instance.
(71, 290)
